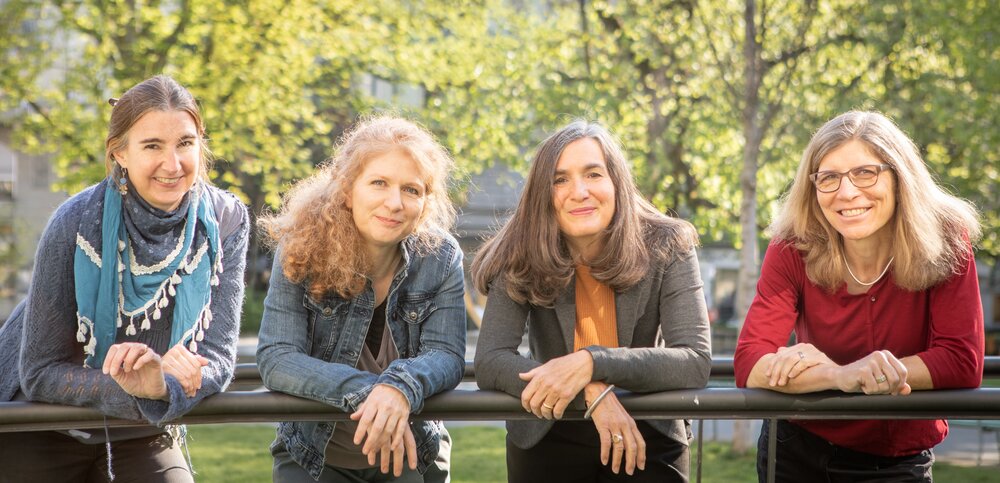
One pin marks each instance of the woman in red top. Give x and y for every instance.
(871, 266)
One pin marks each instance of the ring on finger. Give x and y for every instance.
(801, 355)
(880, 379)
(616, 438)
(547, 406)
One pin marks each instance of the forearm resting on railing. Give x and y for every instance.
(466, 405)
(817, 378)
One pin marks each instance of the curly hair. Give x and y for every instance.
(314, 232)
(531, 254)
(932, 229)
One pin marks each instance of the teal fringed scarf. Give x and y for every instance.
(112, 288)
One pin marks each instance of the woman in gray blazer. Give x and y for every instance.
(610, 293)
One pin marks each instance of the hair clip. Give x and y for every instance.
(113, 101)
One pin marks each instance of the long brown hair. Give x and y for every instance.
(932, 229)
(158, 93)
(530, 253)
(315, 231)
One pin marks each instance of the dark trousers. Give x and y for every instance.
(52, 457)
(803, 456)
(571, 453)
(286, 470)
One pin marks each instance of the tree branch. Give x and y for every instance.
(731, 89)
(171, 40)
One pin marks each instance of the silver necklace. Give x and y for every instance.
(873, 282)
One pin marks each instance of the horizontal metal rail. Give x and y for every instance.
(466, 405)
(246, 376)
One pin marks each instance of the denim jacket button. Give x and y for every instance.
(327, 311)
(413, 315)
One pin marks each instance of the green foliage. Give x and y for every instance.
(940, 82)
(279, 81)
(253, 312)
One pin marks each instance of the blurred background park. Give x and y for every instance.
(714, 101)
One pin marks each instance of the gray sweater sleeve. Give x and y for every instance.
(685, 360)
(51, 359)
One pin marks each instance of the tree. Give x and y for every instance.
(713, 100)
(787, 48)
(939, 82)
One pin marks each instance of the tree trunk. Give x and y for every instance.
(752, 136)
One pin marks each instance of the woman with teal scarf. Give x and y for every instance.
(134, 304)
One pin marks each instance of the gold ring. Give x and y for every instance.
(880, 379)
(546, 406)
(616, 438)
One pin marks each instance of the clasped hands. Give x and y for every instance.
(383, 425)
(880, 372)
(140, 371)
(553, 386)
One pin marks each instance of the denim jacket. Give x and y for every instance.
(310, 348)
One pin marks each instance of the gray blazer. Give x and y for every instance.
(663, 339)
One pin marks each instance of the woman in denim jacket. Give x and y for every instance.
(365, 309)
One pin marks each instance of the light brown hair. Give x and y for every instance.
(318, 240)
(932, 229)
(158, 93)
(531, 254)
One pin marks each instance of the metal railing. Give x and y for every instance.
(246, 376)
(472, 405)
(476, 405)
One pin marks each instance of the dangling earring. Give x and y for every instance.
(123, 180)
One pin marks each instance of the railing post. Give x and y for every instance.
(701, 434)
(772, 448)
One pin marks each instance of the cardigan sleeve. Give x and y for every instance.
(51, 359)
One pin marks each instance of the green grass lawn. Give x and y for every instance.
(991, 382)
(237, 453)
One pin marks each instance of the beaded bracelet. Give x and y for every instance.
(597, 401)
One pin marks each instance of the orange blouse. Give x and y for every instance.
(596, 323)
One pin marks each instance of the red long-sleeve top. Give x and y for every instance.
(943, 325)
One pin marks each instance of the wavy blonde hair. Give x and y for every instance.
(530, 253)
(318, 240)
(932, 229)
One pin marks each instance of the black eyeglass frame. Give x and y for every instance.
(878, 168)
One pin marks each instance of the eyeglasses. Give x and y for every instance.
(861, 177)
